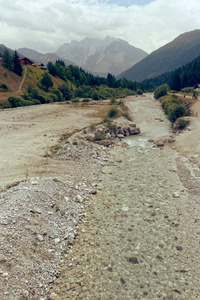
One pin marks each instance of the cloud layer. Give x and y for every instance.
(46, 25)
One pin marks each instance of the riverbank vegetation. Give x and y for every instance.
(64, 83)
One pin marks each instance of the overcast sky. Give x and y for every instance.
(44, 25)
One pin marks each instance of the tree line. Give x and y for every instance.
(186, 76)
(12, 62)
(79, 77)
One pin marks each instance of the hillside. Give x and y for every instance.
(3, 48)
(43, 58)
(189, 75)
(101, 57)
(10, 79)
(175, 54)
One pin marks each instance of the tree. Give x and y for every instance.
(17, 67)
(7, 61)
(161, 91)
(52, 69)
(67, 94)
(46, 81)
(176, 84)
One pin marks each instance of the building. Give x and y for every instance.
(25, 61)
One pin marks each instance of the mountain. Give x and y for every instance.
(3, 48)
(189, 75)
(175, 54)
(43, 58)
(101, 57)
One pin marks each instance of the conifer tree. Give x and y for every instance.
(17, 67)
(7, 61)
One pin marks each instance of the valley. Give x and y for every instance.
(102, 223)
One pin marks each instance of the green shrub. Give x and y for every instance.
(86, 100)
(139, 92)
(3, 87)
(161, 91)
(112, 112)
(36, 102)
(111, 126)
(188, 89)
(127, 116)
(16, 101)
(65, 90)
(112, 101)
(5, 104)
(58, 94)
(95, 95)
(54, 98)
(177, 112)
(182, 123)
(75, 100)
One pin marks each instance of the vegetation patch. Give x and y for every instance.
(161, 91)
(113, 112)
(175, 107)
(182, 123)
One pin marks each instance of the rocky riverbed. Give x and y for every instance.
(108, 222)
(139, 238)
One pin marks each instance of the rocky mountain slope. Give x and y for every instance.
(173, 55)
(101, 57)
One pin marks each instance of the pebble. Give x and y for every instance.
(53, 296)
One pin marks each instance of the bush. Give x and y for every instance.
(16, 101)
(182, 123)
(112, 112)
(65, 90)
(58, 94)
(161, 91)
(75, 100)
(5, 104)
(177, 112)
(139, 92)
(3, 87)
(86, 100)
(95, 95)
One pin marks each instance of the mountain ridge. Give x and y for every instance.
(173, 55)
(43, 58)
(110, 55)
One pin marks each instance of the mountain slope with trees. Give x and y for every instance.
(175, 54)
(186, 76)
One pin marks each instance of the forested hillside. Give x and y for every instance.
(61, 83)
(173, 55)
(186, 76)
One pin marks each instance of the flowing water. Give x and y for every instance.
(132, 243)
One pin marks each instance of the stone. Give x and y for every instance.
(133, 260)
(57, 240)
(90, 138)
(40, 237)
(79, 198)
(120, 136)
(105, 143)
(2, 258)
(176, 195)
(53, 296)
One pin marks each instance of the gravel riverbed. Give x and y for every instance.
(139, 238)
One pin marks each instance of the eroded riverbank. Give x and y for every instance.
(133, 242)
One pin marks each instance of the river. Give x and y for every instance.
(133, 242)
